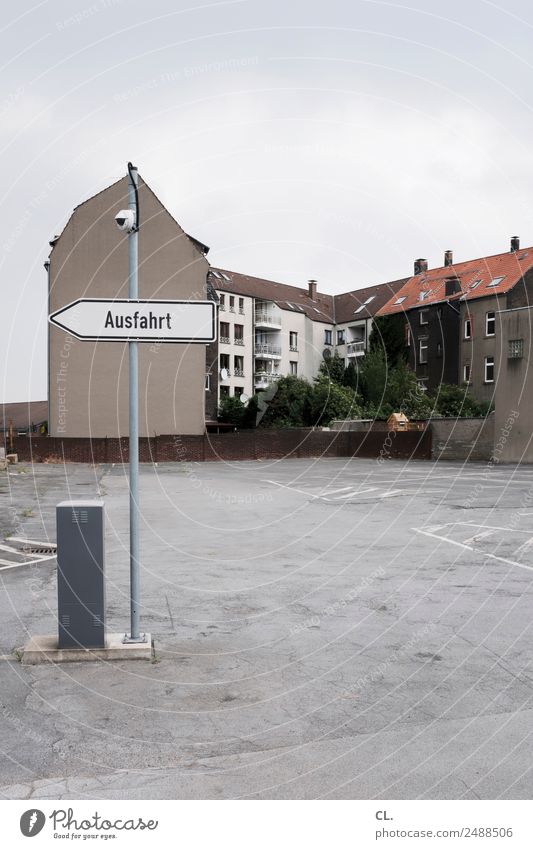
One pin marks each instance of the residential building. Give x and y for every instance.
(513, 431)
(452, 318)
(354, 315)
(88, 381)
(267, 330)
(287, 330)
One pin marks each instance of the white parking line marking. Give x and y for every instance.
(525, 545)
(291, 488)
(479, 536)
(334, 491)
(475, 550)
(354, 493)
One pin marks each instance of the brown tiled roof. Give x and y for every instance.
(286, 297)
(329, 309)
(23, 414)
(347, 303)
(473, 280)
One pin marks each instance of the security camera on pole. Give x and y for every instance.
(130, 321)
(129, 220)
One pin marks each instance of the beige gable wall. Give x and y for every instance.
(88, 382)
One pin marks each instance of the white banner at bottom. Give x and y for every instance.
(251, 824)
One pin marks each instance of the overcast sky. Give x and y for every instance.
(338, 140)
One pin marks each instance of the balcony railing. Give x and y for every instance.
(272, 319)
(267, 350)
(225, 340)
(222, 307)
(355, 349)
(241, 311)
(238, 340)
(238, 372)
(232, 309)
(293, 348)
(265, 378)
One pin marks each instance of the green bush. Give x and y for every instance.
(455, 402)
(290, 405)
(331, 401)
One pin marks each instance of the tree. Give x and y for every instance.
(388, 335)
(455, 401)
(331, 401)
(239, 414)
(403, 393)
(351, 376)
(373, 377)
(289, 405)
(332, 368)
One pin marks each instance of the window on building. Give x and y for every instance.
(424, 316)
(293, 341)
(490, 323)
(222, 299)
(489, 369)
(327, 337)
(340, 337)
(516, 349)
(224, 332)
(224, 361)
(422, 350)
(237, 392)
(466, 373)
(241, 306)
(224, 391)
(468, 328)
(207, 385)
(293, 367)
(400, 300)
(238, 334)
(407, 333)
(238, 366)
(495, 282)
(231, 303)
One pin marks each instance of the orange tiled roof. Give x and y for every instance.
(474, 279)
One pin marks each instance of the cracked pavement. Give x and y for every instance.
(329, 628)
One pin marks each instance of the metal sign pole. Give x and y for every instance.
(133, 293)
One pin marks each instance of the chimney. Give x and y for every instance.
(448, 258)
(312, 289)
(421, 265)
(451, 286)
(515, 244)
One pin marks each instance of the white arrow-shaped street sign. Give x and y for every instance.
(97, 319)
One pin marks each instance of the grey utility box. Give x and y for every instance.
(80, 574)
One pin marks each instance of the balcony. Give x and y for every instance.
(264, 379)
(238, 340)
(267, 351)
(225, 340)
(356, 349)
(238, 372)
(269, 320)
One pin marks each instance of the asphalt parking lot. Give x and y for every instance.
(330, 628)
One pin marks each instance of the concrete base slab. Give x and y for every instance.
(44, 649)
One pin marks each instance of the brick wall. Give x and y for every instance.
(244, 445)
(463, 439)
